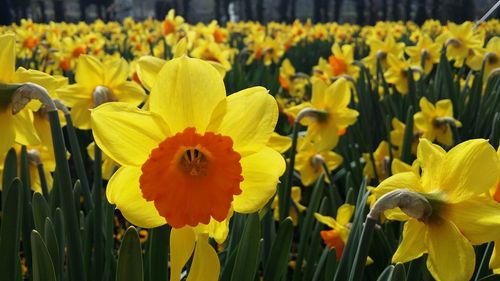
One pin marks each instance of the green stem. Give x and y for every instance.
(97, 194)
(336, 196)
(43, 181)
(362, 251)
(483, 266)
(71, 221)
(287, 187)
(76, 155)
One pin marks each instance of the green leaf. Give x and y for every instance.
(408, 137)
(11, 230)
(50, 239)
(130, 257)
(492, 277)
(247, 259)
(277, 262)
(43, 269)
(386, 275)
(9, 173)
(399, 273)
(40, 212)
(156, 258)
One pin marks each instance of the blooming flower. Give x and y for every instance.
(333, 115)
(337, 236)
(434, 121)
(192, 159)
(92, 74)
(454, 184)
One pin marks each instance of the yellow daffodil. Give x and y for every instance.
(461, 41)
(397, 73)
(454, 184)
(397, 138)
(91, 74)
(434, 122)
(336, 237)
(309, 161)
(19, 127)
(379, 169)
(495, 257)
(379, 50)
(490, 55)
(296, 196)
(341, 61)
(333, 116)
(427, 46)
(192, 159)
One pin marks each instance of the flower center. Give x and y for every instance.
(192, 178)
(333, 239)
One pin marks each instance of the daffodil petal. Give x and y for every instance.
(127, 134)
(25, 130)
(338, 94)
(186, 93)
(412, 246)
(182, 242)
(344, 213)
(124, 191)
(442, 239)
(7, 57)
(405, 180)
(279, 143)
(147, 69)
(89, 71)
(206, 265)
(261, 171)
(470, 168)
(75, 94)
(250, 119)
(495, 258)
(129, 92)
(326, 220)
(477, 218)
(80, 114)
(430, 157)
(116, 72)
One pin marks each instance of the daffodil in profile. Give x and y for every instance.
(454, 184)
(330, 114)
(98, 82)
(336, 237)
(434, 121)
(310, 161)
(192, 159)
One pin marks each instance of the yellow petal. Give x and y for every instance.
(25, 130)
(326, 220)
(451, 256)
(318, 93)
(8, 131)
(261, 171)
(74, 94)
(412, 246)
(495, 258)
(338, 94)
(7, 57)
(186, 93)
(279, 143)
(89, 71)
(426, 106)
(478, 218)
(469, 168)
(344, 213)
(43, 79)
(250, 119)
(116, 72)
(182, 241)
(127, 134)
(123, 190)
(405, 180)
(129, 92)
(332, 160)
(206, 265)
(430, 157)
(81, 115)
(147, 69)
(444, 108)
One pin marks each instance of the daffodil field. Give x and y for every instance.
(161, 150)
